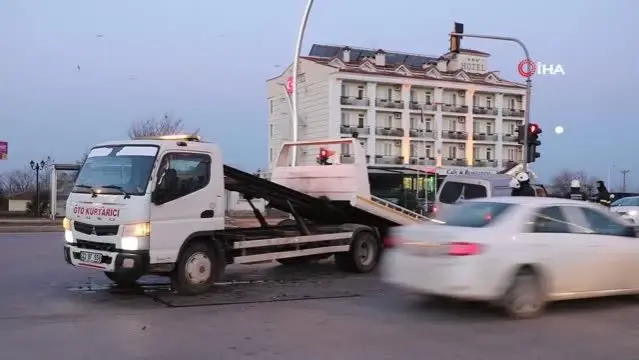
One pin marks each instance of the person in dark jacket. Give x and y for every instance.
(575, 191)
(524, 182)
(603, 196)
(515, 186)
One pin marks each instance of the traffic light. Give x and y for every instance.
(324, 155)
(521, 132)
(455, 40)
(533, 142)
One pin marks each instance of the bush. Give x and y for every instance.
(44, 206)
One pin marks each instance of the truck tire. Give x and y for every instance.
(124, 279)
(363, 255)
(197, 269)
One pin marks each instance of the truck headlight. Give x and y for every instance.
(66, 224)
(141, 229)
(130, 243)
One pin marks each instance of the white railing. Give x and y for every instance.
(398, 208)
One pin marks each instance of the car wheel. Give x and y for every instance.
(525, 297)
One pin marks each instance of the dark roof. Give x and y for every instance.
(357, 54)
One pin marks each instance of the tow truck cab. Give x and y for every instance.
(110, 216)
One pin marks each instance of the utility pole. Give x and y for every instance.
(624, 173)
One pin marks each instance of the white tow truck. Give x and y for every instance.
(155, 206)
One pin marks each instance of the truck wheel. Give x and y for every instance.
(124, 279)
(524, 298)
(363, 255)
(196, 270)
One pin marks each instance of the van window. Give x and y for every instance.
(451, 192)
(472, 191)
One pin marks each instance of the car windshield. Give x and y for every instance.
(116, 169)
(474, 214)
(628, 201)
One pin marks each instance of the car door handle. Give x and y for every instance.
(207, 214)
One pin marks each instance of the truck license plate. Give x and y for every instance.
(91, 257)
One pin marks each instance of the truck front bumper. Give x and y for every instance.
(121, 261)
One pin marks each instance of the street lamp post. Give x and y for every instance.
(37, 166)
(298, 50)
(528, 83)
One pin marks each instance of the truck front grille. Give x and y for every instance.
(99, 230)
(92, 245)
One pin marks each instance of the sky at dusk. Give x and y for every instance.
(207, 62)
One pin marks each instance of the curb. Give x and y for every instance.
(29, 229)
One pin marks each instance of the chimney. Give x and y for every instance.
(346, 53)
(380, 57)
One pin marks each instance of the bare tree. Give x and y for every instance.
(167, 125)
(17, 182)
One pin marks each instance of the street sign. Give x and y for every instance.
(289, 85)
(4, 150)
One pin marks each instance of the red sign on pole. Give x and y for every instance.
(289, 85)
(4, 150)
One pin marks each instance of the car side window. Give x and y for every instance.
(550, 220)
(601, 224)
(184, 174)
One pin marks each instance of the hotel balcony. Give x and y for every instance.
(354, 101)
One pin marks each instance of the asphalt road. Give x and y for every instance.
(50, 310)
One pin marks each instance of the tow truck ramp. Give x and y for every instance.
(330, 194)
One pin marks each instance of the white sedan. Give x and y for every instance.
(517, 252)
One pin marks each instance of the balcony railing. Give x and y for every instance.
(351, 129)
(389, 104)
(350, 158)
(414, 105)
(480, 110)
(485, 163)
(485, 137)
(454, 162)
(354, 101)
(509, 138)
(389, 160)
(454, 135)
(387, 131)
(421, 133)
(510, 163)
(415, 160)
(462, 109)
(513, 112)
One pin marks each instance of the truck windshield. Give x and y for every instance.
(116, 170)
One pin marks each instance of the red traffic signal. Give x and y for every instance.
(534, 129)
